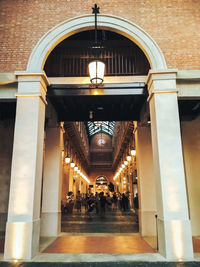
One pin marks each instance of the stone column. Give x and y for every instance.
(52, 183)
(65, 186)
(71, 179)
(146, 181)
(174, 228)
(23, 224)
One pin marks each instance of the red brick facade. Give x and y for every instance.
(173, 24)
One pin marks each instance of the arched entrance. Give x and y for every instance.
(101, 184)
(117, 24)
(31, 96)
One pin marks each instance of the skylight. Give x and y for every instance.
(98, 127)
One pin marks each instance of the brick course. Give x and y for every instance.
(173, 24)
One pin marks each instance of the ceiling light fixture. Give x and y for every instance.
(96, 66)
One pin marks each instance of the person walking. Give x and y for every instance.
(78, 201)
(114, 202)
(102, 204)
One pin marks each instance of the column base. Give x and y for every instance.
(175, 239)
(22, 240)
(50, 224)
(147, 222)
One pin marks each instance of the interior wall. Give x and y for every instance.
(6, 147)
(191, 152)
(146, 182)
(101, 150)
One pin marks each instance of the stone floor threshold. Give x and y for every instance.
(99, 260)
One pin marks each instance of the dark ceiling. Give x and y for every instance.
(114, 108)
(120, 55)
(104, 108)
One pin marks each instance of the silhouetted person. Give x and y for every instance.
(102, 204)
(114, 201)
(78, 201)
(124, 202)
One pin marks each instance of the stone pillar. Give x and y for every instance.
(71, 179)
(174, 228)
(65, 186)
(146, 181)
(52, 183)
(23, 224)
(191, 151)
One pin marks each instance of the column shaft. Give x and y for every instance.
(23, 225)
(52, 183)
(146, 182)
(174, 229)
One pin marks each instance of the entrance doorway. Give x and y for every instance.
(103, 116)
(101, 184)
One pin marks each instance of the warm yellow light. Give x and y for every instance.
(124, 178)
(87, 179)
(123, 166)
(176, 233)
(67, 160)
(18, 237)
(117, 183)
(76, 168)
(128, 158)
(124, 182)
(133, 152)
(72, 164)
(79, 171)
(96, 71)
(126, 162)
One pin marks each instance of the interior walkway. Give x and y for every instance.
(112, 222)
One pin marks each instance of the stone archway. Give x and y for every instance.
(117, 24)
(163, 107)
(101, 183)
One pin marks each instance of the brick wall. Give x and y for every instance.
(174, 25)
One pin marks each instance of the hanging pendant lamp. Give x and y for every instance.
(96, 66)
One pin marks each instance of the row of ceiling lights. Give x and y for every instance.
(76, 168)
(125, 163)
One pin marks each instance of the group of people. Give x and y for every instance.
(98, 202)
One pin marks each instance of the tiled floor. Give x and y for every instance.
(99, 244)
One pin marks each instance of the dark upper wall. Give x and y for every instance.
(174, 25)
(101, 151)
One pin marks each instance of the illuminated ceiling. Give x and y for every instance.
(106, 127)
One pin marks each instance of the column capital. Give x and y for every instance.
(163, 81)
(32, 84)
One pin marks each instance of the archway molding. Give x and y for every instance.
(86, 22)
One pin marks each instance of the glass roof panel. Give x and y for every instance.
(100, 127)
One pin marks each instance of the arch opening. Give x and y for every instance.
(108, 22)
(121, 56)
